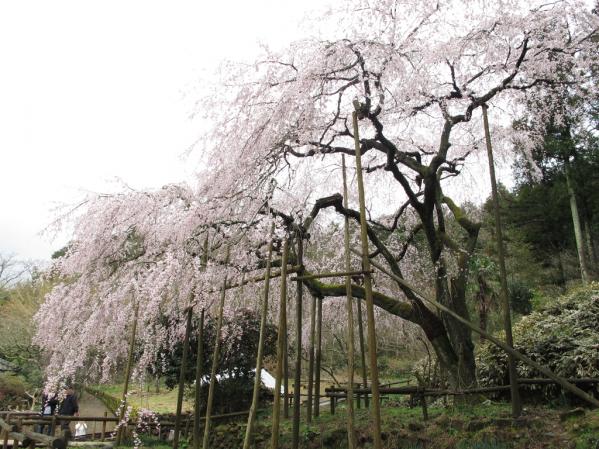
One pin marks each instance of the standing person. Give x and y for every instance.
(49, 403)
(68, 407)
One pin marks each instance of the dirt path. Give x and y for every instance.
(91, 406)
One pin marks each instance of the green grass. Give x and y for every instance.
(163, 402)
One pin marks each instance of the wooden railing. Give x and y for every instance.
(18, 433)
(14, 426)
(336, 393)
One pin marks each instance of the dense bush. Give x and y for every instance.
(12, 392)
(564, 336)
(236, 363)
(520, 297)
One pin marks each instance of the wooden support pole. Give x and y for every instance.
(182, 378)
(286, 372)
(298, 343)
(215, 357)
(318, 358)
(374, 370)
(505, 300)
(259, 357)
(119, 435)
(200, 358)
(351, 434)
(362, 351)
(311, 360)
(198, 383)
(281, 340)
(547, 372)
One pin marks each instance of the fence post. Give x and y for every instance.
(104, 427)
(5, 443)
(424, 405)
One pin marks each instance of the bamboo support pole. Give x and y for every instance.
(281, 340)
(182, 371)
(318, 358)
(215, 357)
(374, 370)
(547, 372)
(505, 301)
(298, 344)
(330, 275)
(311, 360)
(119, 435)
(198, 383)
(351, 434)
(259, 357)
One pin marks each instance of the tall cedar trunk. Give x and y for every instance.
(580, 246)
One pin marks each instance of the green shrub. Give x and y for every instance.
(563, 336)
(520, 297)
(12, 392)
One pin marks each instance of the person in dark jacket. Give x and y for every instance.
(49, 403)
(68, 407)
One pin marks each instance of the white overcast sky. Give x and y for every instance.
(91, 91)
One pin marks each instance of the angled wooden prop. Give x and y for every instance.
(547, 372)
(505, 300)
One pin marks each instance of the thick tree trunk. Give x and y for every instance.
(462, 374)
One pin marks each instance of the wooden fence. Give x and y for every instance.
(336, 393)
